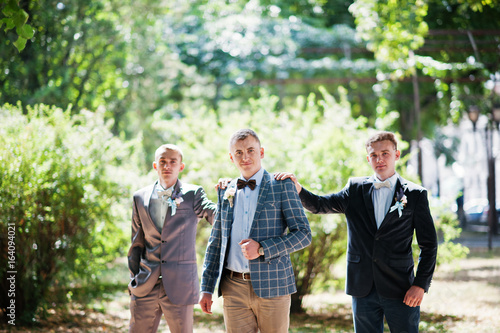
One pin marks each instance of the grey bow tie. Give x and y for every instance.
(379, 185)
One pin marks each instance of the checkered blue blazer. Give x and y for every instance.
(278, 209)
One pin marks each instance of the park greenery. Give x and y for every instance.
(89, 89)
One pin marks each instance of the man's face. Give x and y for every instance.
(247, 155)
(382, 156)
(168, 165)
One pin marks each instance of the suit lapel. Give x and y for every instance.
(367, 198)
(227, 209)
(400, 184)
(265, 184)
(147, 201)
(178, 186)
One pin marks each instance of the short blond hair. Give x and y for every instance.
(242, 134)
(168, 147)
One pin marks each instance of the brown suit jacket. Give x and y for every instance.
(171, 253)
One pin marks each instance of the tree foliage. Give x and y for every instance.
(16, 17)
(63, 192)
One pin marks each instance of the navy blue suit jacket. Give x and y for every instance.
(382, 256)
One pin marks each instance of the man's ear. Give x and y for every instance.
(182, 167)
(231, 157)
(398, 154)
(155, 165)
(261, 152)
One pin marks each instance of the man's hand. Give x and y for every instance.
(223, 183)
(206, 302)
(249, 248)
(414, 296)
(285, 175)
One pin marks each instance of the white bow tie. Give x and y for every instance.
(164, 193)
(379, 185)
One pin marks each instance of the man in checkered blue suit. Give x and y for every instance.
(260, 221)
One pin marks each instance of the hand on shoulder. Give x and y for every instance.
(288, 175)
(223, 183)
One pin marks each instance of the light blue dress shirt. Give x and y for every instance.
(158, 207)
(244, 211)
(382, 198)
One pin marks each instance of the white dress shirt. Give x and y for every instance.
(244, 211)
(158, 207)
(382, 198)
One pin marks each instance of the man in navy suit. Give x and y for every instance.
(260, 221)
(382, 211)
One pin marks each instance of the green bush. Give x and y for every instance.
(60, 192)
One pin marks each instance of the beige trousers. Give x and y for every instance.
(245, 312)
(146, 313)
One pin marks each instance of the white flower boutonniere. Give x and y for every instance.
(229, 195)
(174, 201)
(177, 197)
(400, 202)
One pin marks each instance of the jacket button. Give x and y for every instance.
(163, 261)
(163, 241)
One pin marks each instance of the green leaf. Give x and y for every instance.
(20, 18)
(20, 43)
(9, 24)
(26, 31)
(10, 9)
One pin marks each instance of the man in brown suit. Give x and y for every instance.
(162, 257)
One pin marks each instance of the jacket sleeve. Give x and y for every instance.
(137, 246)
(211, 264)
(203, 207)
(325, 204)
(427, 242)
(299, 231)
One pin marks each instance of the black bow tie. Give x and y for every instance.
(251, 183)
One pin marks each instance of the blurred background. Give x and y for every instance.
(90, 88)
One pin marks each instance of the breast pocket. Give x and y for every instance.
(270, 211)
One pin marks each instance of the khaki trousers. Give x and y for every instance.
(146, 313)
(245, 312)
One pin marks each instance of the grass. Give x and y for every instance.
(464, 297)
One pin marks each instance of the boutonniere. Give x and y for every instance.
(229, 195)
(174, 201)
(177, 197)
(400, 204)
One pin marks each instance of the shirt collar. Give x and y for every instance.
(160, 188)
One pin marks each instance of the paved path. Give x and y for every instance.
(476, 239)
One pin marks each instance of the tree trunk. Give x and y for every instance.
(296, 304)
